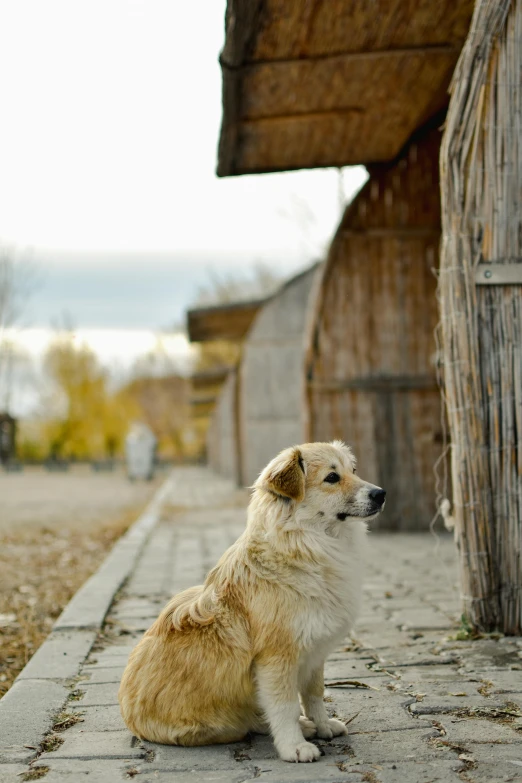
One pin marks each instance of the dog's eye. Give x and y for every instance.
(333, 478)
(355, 470)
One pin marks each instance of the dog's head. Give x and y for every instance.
(321, 480)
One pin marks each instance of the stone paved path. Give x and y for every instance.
(421, 707)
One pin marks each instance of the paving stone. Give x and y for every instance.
(362, 658)
(317, 772)
(99, 674)
(239, 775)
(99, 694)
(468, 730)
(352, 700)
(60, 656)
(392, 746)
(410, 654)
(89, 770)
(441, 676)
(260, 751)
(138, 606)
(501, 772)
(492, 753)
(417, 772)
(97, 718)
(388, 714)
(507, 681)
(26, 714)
(9, 773)
(484, 654)
(132, 618)
(420, 618)
(439, 703)
(336, 673)
(114, 661)
(132, 624)
(257, 746)
(171, 757)
(97, 745)
(110, 651)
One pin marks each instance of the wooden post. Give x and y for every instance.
(480, 291)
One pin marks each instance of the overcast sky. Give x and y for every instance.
(110, 122)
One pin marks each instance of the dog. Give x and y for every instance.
(236, 654)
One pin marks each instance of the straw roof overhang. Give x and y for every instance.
(229, 321)
(332, 82)
(203, 380)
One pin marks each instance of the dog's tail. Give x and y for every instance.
(189, 609)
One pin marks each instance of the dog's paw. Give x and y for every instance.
(308, 727)
(304, 751)
(332, 728)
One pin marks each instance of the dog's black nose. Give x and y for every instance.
(378, 496)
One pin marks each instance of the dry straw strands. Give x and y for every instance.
(481, 173)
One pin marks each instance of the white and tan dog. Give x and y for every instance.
(235, 654)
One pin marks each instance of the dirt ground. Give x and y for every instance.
(55, 530)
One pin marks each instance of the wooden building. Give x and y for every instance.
(223, 431)
(336, 82)
(371, 365)
(260, 409)
(227, 321)
(222, 328)
(333, 82)
(272, 411)
(339, 83)
(481, 309)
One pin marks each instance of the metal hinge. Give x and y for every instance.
(506, 272)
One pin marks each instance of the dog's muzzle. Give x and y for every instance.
(377, 496)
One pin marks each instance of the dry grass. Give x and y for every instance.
(40, 570)
(35, 773)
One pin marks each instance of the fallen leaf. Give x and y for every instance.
(349, 683)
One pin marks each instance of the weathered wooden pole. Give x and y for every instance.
(481, 312)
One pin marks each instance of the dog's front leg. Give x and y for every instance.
(278, 696)
(311, 689)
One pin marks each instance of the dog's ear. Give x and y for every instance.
(285, 475)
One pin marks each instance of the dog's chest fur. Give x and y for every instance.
(332, 595)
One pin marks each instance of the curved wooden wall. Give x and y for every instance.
(271, 388)
(222, 437)
(371, 360)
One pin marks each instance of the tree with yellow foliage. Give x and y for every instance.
(87, 421)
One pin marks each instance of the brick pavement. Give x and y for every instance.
(421, 706)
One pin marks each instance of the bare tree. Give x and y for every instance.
(223, 288)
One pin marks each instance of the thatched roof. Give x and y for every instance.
(230, 321)
(204, 380)
(332, 82)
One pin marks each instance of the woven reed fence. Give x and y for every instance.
(481, 174)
